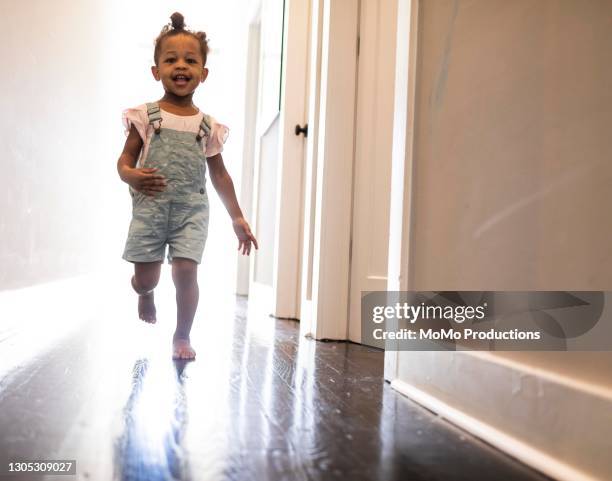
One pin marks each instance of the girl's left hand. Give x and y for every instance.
(244, 234)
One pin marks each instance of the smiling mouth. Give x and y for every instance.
(181, 79)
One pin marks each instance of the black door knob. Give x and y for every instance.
(301, 130)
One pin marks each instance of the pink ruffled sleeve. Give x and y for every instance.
(138, 118)
(218, 136)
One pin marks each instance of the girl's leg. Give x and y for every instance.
(185, 277)
(144, 280)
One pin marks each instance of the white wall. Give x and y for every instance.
(511, 191)
(53, 154)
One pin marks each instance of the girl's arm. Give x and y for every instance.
(142, 180)
(223, 184)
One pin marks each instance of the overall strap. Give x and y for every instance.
(205, 127)
(154, 114)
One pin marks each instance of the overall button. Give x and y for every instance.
(201, 191)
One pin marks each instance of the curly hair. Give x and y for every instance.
(177, 27)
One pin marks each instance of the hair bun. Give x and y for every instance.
(177, 27)
(178, 21)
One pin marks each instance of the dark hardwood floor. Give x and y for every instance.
(259, 403)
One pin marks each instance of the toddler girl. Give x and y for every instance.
(169, 145)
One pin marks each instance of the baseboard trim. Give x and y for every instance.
(520, 450)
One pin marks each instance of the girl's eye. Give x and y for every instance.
(170, 60)
(191, 60)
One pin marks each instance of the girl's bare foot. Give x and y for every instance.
(146, 306)
(181, 349)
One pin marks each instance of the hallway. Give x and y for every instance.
(259, 403)
(441, 145)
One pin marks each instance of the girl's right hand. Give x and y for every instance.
(145, 180)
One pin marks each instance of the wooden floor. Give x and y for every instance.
(259, 403)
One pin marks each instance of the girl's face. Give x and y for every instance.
(180, 67)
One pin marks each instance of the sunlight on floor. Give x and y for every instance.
(38, 318)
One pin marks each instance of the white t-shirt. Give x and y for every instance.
(186, 123)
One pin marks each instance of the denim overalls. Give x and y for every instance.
(178, 216)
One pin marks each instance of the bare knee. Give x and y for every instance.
(184, 272)
(146, 276)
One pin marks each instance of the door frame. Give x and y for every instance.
(328, 311)
(310, 168)
(374, 116)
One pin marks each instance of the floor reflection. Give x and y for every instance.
(259, 403)
(154, 417)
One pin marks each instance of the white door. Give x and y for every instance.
(278, 157)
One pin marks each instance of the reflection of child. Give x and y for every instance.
(173, 142)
